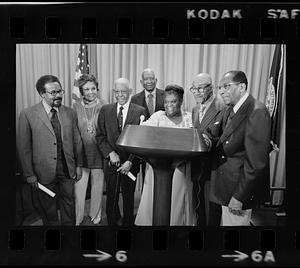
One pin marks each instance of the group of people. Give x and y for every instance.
(61, 148)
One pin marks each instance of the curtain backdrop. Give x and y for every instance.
(172, 63)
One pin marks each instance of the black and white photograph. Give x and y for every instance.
(136, 135)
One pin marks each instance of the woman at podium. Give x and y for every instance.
(182, 212)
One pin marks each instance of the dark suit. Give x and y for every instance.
(201, 166)
(38, 150)
(107, 135)
(139, 99)
(240, 166)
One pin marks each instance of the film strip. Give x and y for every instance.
(151, 23)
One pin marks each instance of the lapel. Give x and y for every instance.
(44, 117)
(113, 114)
(236, 120)
(209, 115)
(130, 114)
(143, 102)
(159, 102)
(196, 117)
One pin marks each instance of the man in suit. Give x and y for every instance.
(151, 98)
(240, 168)
(117, 163)
(50, 149)
(205, 115)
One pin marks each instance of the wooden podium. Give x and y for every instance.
(162, 148)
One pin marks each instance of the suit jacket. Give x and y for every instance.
(108, 131)
(201, 166)
(37, 142)
(240, 165)
(139, 99)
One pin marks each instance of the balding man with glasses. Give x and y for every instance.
(240, 167)
(205, 116)
(50, 147)
(117, 162)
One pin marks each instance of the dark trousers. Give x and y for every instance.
(47, 206)
(114, 182)
(215, 214)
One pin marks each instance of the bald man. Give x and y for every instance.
(205, 116)
(117, 162)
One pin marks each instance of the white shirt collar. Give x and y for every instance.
(153, 93)
(208, 102)
(240, 102)
(47, 107)
(125, 106)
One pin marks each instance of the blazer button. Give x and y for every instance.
(223, 156)
(54, 143)
(54, 158)
(227, 142)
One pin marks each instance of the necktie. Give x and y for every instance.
(56, 125)
(150, 104)
(201, 113)
(120, 118)
(231, 115)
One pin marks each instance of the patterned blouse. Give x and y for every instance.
(87, 124)
(160, 119)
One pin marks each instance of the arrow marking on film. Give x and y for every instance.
(240, 256)
(99, 257)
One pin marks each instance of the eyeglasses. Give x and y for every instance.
(119, 92)
(227, 86)
(199, 89)
(53, 93)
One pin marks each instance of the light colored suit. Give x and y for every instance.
(37, 142)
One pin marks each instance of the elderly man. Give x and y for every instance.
(50, 149)
(117, 162)
(151, 98)
(206, 115)
(240, 168)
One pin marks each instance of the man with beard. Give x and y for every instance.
(205, 116)
(50, 149)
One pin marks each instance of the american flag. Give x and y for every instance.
(82, 67)
(274, 94)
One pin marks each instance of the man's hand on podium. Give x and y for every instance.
(207, 141)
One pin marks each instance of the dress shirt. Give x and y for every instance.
(154, 97)
(240, 102)
(205, 105)
(48, 108)
(124, 112)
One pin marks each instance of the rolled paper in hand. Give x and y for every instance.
(46, 190)
(131, 176)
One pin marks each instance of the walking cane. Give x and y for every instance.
(116, 198)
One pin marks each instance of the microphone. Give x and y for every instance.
(142, 118)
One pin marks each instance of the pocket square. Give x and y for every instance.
(216, 123)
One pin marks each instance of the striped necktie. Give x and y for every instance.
(120, 118)
(150, 104)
